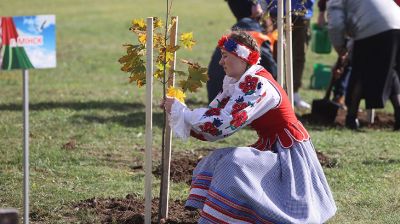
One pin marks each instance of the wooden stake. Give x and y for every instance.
(149, 120)
(371, 115)
(288, 53)
(280, 43)
(166, 154)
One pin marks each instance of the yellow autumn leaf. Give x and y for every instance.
(140, 83)
(140, 79)
(159, 74)
(177, 93)
(142, 38)
(170, 57)
(158, 40)
(138, 24)
(157, 23)
(187, 40)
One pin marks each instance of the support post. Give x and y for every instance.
(166, 154)
(371, 115)
(280, 61)
(149, 118)
(25, 75)
(288, 53)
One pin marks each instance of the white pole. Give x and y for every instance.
(280, 42)
(371, 116)
(288, 52)
(149, 118)
(168, 132)
(25, 75)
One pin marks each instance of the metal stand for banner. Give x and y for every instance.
(14, 55)
(25, 76)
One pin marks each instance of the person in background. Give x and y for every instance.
(341, 72)
(248, 14)
(321, 19)
(278, 179)
(342, 68)
(301, 34)
(375, 27)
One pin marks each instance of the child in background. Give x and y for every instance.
(278, 179)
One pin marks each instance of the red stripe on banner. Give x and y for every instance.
(8, 30)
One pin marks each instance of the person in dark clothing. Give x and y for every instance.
(248, 14)
(375, 77)
(342, 69)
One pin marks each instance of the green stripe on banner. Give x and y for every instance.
(23, 61)
(15, 58)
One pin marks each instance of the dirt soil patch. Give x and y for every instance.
(182, 165)
(382, 120)
(130, 210)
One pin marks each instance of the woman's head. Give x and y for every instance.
(239, 51)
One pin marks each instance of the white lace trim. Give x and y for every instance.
(177, 121)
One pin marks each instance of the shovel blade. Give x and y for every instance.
(325, 110)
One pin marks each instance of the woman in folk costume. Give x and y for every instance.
(278, 179)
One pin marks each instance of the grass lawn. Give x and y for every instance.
(87, 101)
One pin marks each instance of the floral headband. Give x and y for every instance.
(250, 56)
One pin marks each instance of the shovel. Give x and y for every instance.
(324, 109)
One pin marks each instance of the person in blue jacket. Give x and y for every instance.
(248, 14)
(302, 11)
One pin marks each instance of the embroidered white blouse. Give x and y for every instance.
(241, 102)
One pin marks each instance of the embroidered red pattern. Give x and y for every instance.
(238, 107)
(213, 112)
(249, 84)
(209, 127)
(239, 118)
(223, 102)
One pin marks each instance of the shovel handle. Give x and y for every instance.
(330, 86)
(329, 89)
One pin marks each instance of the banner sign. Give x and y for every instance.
(28, 42)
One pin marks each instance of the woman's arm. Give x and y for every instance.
(252, 97)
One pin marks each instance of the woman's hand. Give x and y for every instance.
(167, 104)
